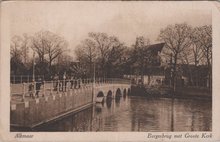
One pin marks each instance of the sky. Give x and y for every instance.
(126, 20)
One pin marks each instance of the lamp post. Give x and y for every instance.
(33, 67)
(93, 85)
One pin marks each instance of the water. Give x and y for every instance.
(139, 114)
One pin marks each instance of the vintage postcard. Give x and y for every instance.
(110, 71)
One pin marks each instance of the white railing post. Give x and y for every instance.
(44, 87)
(58, 85)
(69, 85)
(34, 92)
(23, 95)
(51, 87)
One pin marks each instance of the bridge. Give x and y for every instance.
(57, 99)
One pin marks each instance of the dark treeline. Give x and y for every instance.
(186, 49)
(45, 50)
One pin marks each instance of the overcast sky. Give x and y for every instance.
(126, 20)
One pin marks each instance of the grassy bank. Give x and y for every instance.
(166, 91)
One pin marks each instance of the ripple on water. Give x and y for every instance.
(140, 114)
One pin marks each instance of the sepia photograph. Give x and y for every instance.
(126, 70)
(90, 68)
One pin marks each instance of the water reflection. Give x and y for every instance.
(117, 101)
(109, 102)
(139, 114)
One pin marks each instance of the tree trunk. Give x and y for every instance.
(148, 79)
(174, 72)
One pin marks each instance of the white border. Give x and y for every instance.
(5, 135)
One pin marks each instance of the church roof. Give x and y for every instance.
(154, 48)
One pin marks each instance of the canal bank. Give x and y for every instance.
(166, 92)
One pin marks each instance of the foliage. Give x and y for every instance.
(186, 45)
(102, 51)
(46, 44)
(109, 57)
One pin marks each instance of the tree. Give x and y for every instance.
(48, 46)
(140, 56)
(104, 49)
(114, 61)
(193, 56)
(187, 59)
(197, 51)
(177, 40)
(39, 44)
(63, 63)
(86, 53)
(17, 66)
(15, 46)
(56, 45)
(202, 38)
(25, 48)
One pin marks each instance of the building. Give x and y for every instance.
(153, 72)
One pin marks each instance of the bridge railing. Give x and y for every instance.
(40, 88)
(18, 79)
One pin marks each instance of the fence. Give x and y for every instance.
(32, 89)
(16, 79)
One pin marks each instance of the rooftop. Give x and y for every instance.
(154, 48)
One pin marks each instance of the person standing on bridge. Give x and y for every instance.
(64, 82)
(56, 79)
(75, 82)
(31, 89)
(71, 81)
(38, 86)
(79, 82)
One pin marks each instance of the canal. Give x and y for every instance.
(135, 113)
